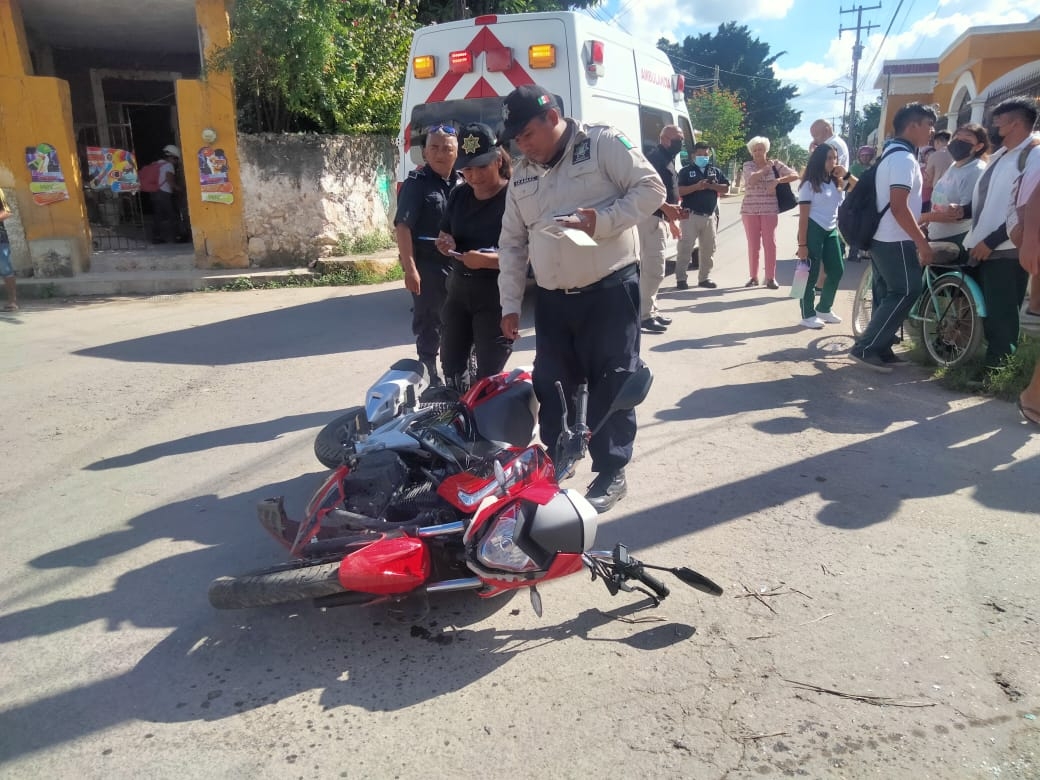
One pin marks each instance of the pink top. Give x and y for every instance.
(757, 199)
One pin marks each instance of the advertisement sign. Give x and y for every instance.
(213, 176)
(112, 169)
(48, 182)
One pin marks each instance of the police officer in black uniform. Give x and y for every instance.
(700, 184)
(472, 315)
(420, 206)
(654, 229)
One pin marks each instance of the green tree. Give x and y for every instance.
(318, 65)
(745, 67)
(718, 115)
(867, 121)
(789, 152)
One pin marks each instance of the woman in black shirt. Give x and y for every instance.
(469, 231)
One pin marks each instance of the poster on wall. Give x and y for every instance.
(48, 182)
(213, 176)
(112, 169)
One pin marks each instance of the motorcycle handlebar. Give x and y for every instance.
(653, 583)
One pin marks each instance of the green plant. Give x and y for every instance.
(351, 276)
(49, 291)
(365, 243)
(1005, 383)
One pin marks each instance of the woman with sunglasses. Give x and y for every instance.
(472, 314)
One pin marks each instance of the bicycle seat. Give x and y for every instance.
(945, 253)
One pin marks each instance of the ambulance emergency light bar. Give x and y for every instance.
(497, 60)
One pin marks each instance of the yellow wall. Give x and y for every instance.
(218, 229)
(896, 102)
(988, 56)
(34, 110)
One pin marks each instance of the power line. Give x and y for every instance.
(857, 53)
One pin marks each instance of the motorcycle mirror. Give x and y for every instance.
(536, 601)
(697, 580)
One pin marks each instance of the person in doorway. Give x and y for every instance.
(592, 179)
(700, 184)
(1001, 276)
(472, 315)
(652, 231)
(899, 248)
(819, 197)
(420, 208)
(759, 210)
(167, 223)
(6, 268)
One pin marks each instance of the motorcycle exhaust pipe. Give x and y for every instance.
(449, 586)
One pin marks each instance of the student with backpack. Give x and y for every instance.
(898, 246)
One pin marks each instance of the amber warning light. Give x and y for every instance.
(424, 66)
(542, 55)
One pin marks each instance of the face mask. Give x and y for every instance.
(994, 137)
(959, 150)
(675, 147)
(700, 161)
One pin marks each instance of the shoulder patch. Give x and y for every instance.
(416, 174)
(624, 141)
(582, 151)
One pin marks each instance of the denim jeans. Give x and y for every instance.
(897, 284)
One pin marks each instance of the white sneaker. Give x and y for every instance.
(812, 322)
(829, 317)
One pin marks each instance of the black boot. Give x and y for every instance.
(607, 489)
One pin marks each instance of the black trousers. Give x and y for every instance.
(472, 318)
(426, 309)
(591, 336)
(1003, 282)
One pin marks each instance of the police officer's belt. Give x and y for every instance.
(610, 280)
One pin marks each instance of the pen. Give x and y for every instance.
(426, 238)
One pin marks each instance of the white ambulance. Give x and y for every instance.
(460, 71)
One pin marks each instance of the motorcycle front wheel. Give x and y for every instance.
(293, 581)
(330, 444)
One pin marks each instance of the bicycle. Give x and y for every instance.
(946, 318)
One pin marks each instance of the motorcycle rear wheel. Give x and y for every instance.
(294, 581)
(329, 445)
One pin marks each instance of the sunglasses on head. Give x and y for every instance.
(446, 129)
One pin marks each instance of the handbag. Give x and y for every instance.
(785, 197)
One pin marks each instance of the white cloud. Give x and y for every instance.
(654, 19)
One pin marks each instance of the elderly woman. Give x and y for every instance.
(759, 211)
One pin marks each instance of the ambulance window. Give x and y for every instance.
(651, 123)
(690, 138)
(456, 113)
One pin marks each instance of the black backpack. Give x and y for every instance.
(858, 215)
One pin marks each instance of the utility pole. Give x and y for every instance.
(857, 53)
(715, 81)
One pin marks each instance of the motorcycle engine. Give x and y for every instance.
(382, 486)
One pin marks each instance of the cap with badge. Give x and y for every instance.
(522, 105)
(478, 146)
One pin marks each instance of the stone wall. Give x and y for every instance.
(303, 193)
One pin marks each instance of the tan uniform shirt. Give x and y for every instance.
(600, 169)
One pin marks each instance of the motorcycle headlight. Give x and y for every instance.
(499, 550)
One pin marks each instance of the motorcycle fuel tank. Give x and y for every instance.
(391, 565)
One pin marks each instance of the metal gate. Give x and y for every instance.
(116, 217)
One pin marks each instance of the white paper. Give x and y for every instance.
(579, 237)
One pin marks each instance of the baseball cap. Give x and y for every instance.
(172, 150)
(522, 105)
(478, 146)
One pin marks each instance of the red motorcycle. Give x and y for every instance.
(437, 500)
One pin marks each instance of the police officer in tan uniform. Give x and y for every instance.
(587, 305)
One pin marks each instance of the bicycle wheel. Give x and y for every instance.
(863, 305)
(951, 328)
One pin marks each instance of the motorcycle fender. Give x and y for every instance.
(389, 566)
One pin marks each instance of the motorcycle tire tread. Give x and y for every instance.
(277, 585)
(329, 443)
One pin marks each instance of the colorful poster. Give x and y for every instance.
(112, 169)
(213, 176)
(48, 182)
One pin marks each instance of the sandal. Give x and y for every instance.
(1031, 416)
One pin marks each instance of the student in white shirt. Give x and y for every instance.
(899, 248)
(1002, 278)
(950, 217)
(819, 196)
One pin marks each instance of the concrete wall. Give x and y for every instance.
(304, 192)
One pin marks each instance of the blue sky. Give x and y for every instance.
(807, 30)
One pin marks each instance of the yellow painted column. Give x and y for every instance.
(208, 104)
(36, 110)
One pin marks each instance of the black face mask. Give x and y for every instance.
(994, 137)
(674, 147)
(959, 150)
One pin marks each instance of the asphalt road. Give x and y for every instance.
(876, 536)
